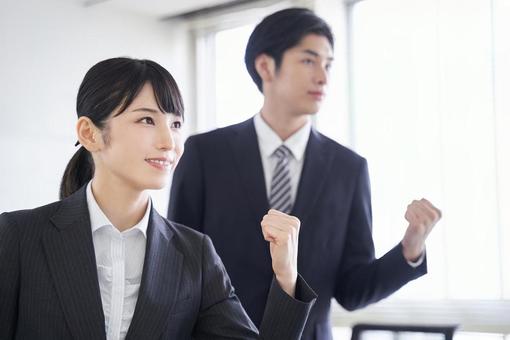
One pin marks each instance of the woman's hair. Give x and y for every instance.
(111, 85)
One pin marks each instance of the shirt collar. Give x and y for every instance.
(98, 219)
(269, 141)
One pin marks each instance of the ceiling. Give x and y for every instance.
(158, 8)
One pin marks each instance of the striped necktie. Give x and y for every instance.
(280, 198)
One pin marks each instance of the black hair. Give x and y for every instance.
(280, 31)
(112, 85)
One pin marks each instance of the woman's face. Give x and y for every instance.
(143, 145)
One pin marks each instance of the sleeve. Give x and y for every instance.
(186, 204)
(362, 279)
(284, 316)
(222, 315)
(9, 284)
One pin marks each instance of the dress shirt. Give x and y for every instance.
(119, 260)
(269, 141)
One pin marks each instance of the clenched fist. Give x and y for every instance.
(422, 216)
(282, 232)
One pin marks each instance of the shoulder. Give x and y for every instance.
(191, 243)
(220, 134)
(341, 153)
(27, 221)
(184, 234)
(30, 216)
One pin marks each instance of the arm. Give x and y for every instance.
(284, 316)
(361, 279)
(222, 316)
(289, 299)
(186, 204)
(9, 284)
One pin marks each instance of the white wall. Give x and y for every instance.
(47, 46)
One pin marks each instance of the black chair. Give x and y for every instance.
(445, 330)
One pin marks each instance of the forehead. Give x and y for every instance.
(145, 102)
(144, 97)
(315, 43)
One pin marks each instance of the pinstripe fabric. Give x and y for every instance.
(49, 286)
(57, 295)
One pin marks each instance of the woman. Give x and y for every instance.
(102, 263)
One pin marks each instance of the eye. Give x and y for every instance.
(328, 67)
(147, 120)
(176, 125)
(308, 61)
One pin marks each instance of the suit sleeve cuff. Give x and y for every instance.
(285, 316)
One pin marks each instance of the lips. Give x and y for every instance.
(316, 94)
(161, 163)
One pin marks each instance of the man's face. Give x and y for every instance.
(300, 82)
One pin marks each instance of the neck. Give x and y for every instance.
(282, 121)
(123, 206)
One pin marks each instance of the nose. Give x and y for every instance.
(322, 75)
(166, 140)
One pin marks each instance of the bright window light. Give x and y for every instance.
(237, 97)
(424, 118)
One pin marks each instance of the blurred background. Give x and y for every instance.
(421, 88)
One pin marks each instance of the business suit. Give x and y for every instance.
(219, 189)
(49, 287)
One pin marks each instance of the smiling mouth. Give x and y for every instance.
(159, 163)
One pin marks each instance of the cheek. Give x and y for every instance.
(179, 145)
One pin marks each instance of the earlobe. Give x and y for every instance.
(88, 134)
(264, 65)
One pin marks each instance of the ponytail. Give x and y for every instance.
(79, 171)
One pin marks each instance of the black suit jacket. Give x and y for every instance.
(49, 286)
(219, 189)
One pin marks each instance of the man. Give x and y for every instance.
(228, 178)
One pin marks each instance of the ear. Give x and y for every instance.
(265, 66)
(88, 134)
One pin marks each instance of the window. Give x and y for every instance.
(237, 96)
(429, 109)
(429, 112)
(226, 94)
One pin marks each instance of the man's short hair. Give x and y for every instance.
(280, 31)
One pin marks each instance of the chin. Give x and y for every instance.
(158, 185)
(315, 108)
(311, 108)
(310, 111)
(155, 183)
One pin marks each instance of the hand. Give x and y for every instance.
(422, 216)
(282, 231)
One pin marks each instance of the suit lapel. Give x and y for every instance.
(246, 152)
(313, 176)
(160, 281)
(70, 255)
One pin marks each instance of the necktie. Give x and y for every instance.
(280, 198)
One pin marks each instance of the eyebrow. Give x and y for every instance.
(153, 111)
(145, 109)
(315, 54)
